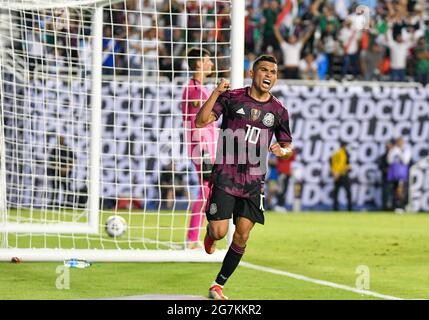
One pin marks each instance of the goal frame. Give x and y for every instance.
(93, 213)
(92, 227)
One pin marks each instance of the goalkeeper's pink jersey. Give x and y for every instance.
(197, 139)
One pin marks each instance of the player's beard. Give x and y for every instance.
(260, 90)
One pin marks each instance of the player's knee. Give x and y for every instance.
(218, 232)
(241, 238)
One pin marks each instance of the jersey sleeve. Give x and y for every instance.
(221, 104)
(282, 131)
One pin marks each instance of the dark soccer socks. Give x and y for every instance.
(230, 263)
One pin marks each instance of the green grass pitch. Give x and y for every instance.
(324, 246)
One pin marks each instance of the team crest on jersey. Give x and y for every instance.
(195, 104)
(255, 114)
(213, 208)
(268, 120)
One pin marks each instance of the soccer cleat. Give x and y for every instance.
(209, 243)
(215, 293)
(194, 245)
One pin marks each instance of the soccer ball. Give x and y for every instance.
(115, 226)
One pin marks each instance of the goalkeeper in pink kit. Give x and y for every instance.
(200, 142)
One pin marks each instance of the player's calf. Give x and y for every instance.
(218, 229)
(209, 241)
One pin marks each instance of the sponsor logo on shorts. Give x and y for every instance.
(213, 208)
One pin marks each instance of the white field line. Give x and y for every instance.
(316, 281)
(167, 244)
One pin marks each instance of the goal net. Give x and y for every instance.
(91, 125)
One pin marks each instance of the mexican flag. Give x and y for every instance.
(288, 13)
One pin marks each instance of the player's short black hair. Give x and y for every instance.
(263, 57)
(195, 54)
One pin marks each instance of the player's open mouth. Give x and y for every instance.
(266, 83)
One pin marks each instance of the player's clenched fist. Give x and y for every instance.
(281, 152)
(222, 86)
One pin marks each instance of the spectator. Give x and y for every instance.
(85, 56)
(328, 18)
(340, 167)
(55, 61)
(371, 60)
(134, 53)
(193, 21)
(248, 61)
(270, 12)
(284, 169)
(140, 14)
(308, 67)
(63, 30)
(272, 178)
(312, 14)
(322, 62)
(115, 16)
(330, 46)
(151, 49)
(386, 189)
(422, 61)
(416, 20)
(111, 49)
(380, 22)
(349, 38)
(291, 50)
(170, 17)
(60, 165)
(251, 30)
(35, 47)
(399, 159)
(172, 63)
(70, 41)
(398, 54)
(341, 9)
(50, 34)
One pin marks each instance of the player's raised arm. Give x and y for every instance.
(206, 116)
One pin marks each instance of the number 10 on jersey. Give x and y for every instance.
(252, 134)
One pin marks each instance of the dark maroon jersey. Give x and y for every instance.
(246, 132)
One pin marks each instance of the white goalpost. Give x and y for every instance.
(91, 124)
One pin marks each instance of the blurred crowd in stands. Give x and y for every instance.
(158, 34)
(321, 39)
(394, 167)
(149, 37)
(324, 39)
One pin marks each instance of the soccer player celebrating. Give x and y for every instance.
(201, 142)
(251, 116)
